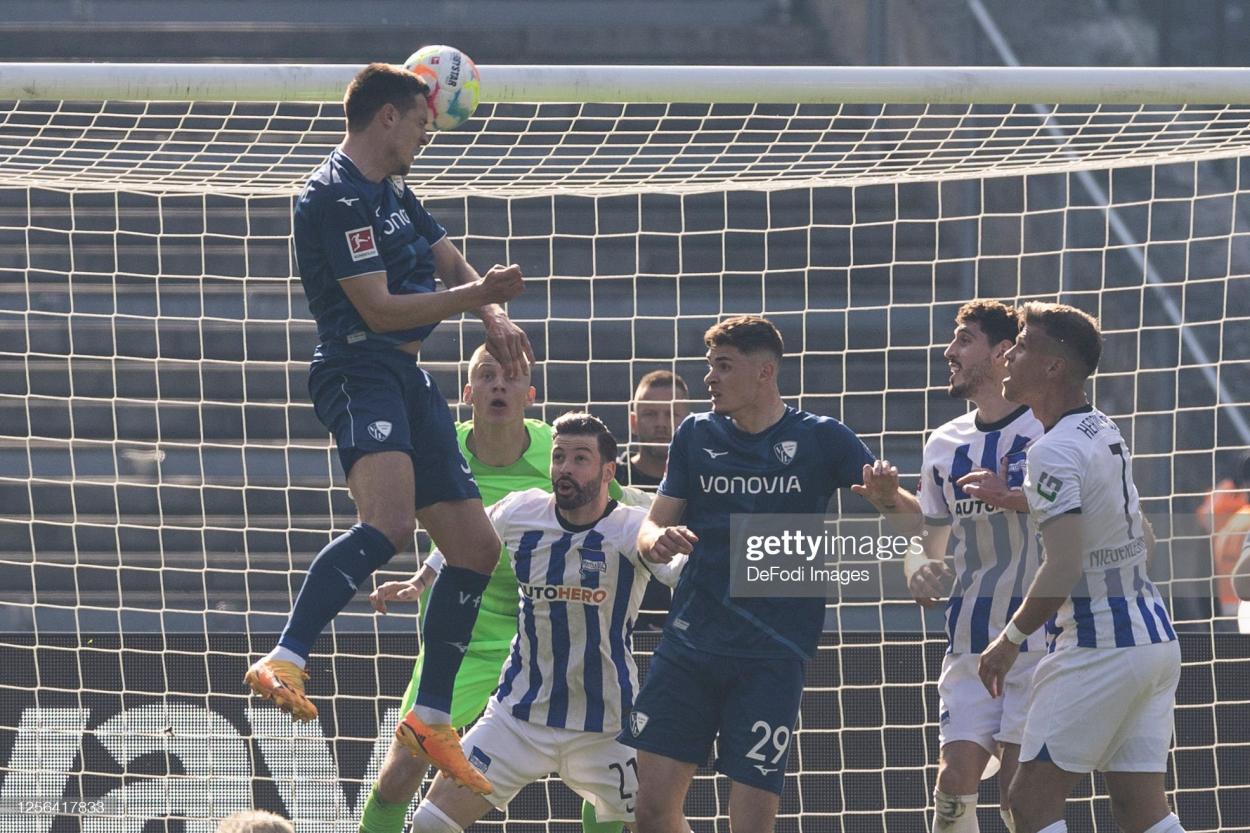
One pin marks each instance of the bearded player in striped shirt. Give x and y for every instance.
(971, 479)
(1103, 698)
(570, 676)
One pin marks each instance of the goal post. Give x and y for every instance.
(164, 483)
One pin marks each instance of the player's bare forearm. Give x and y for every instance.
(384, 312)
(902, 510)
(1058, 574)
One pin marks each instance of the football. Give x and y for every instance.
(453, 81)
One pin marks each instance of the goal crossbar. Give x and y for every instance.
(649, 84)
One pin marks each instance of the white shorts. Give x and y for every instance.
(968, 712)
(1108, 709)
(513, 753)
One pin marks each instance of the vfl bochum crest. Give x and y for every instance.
(380, 430)
(637, 722)
(785, 451)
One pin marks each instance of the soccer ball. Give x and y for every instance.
(453, 81)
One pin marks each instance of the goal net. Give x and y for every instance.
(164, 483)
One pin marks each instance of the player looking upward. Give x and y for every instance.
(368, 254)
(507, 453)
(971, 478)
(1103, 698)
(570, 678)
(726, 666)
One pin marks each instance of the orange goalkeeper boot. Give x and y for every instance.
(440, 744)
(283, 683)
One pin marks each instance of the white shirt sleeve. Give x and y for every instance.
(1052, 483)
(929, 491)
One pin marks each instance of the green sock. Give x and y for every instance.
(382, 816)
(590, 824)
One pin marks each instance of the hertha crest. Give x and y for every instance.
(785, 451)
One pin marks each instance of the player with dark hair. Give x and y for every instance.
(1103, 698)
(368, 254)
(734, 667)
(570, 676)
(971, 480)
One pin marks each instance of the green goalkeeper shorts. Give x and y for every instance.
(477, 680)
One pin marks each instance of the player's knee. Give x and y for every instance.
(398, 527)
(650, 817)
(1026, 808)
(430, 819)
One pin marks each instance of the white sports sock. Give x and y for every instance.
(430, 819)
(287, 655)
(431, 717)
(955, 813)
(1008, 819)
(1060, 826)
(1168, 824)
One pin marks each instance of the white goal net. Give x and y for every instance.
(164, 483)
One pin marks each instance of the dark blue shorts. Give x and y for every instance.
(381, 401)
(690, 697)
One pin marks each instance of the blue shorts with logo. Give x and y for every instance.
(382, 401)
(690, 697)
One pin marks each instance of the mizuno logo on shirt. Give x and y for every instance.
(348, 200)
(777, 484)
(764, 770)
(715, 454)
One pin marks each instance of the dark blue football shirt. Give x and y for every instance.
(793, 467)
(346, 225)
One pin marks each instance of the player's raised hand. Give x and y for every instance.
(930, 584)
(509, 345)
(880, 483)
(988, 487)
(403, 591)
(503, 283)
(996, 661)
(674, 541)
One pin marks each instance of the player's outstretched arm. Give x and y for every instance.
(505, 340)
(881, 489)
(661, 537)
(1061, 538)
(991, 487)
(411, 589)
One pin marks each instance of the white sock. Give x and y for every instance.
(1008, 819)
(286, 655)
(430, 819)
(1168, 824)
(429, 716)
(1060, 826)
(955, 813)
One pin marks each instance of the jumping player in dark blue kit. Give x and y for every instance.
(368, 253)
(727, 666)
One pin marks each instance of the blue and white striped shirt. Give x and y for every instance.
(996, 552)
(571, 664)
(1082, 466)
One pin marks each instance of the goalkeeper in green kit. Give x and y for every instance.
(507, 453)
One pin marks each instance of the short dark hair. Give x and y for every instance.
(374, 87)
(748, 333)
(1075, 331)
(582, 424)
(999, 321)
(661, 379)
